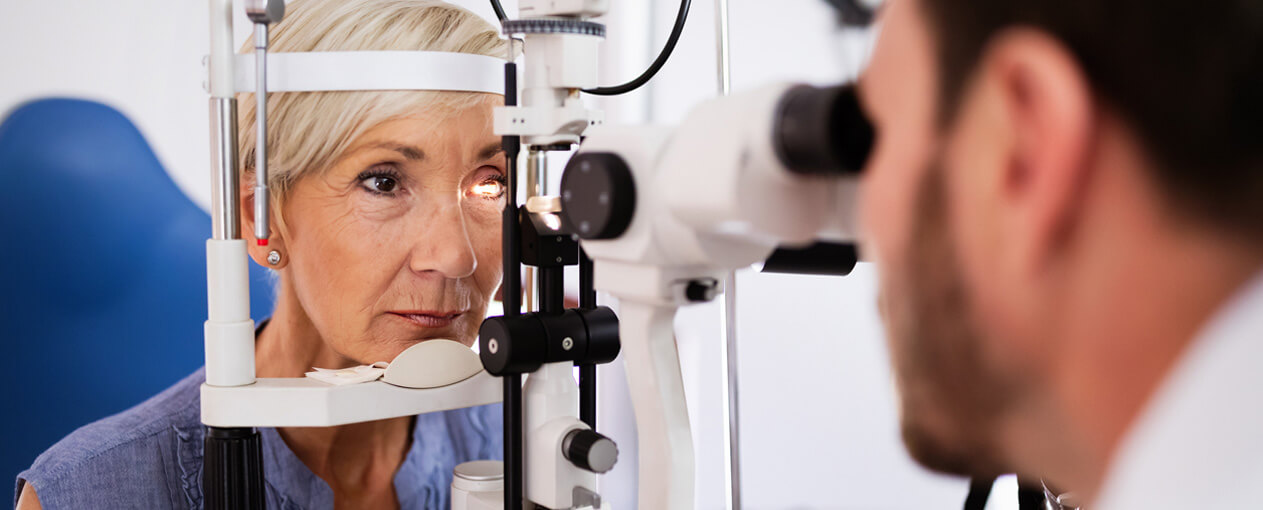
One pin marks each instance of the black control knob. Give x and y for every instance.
(512, 345)
(598, 195)
(587, 449)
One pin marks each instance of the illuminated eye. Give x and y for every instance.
(488, 189)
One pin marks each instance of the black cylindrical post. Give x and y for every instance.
(552, 289)
(512, 291)
(587, 371)
(232, 469)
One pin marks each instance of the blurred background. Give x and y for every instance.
(818, 410)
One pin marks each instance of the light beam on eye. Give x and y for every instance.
(487, 189)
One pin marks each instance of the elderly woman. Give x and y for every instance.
(385, 233)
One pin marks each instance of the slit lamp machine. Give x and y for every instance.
(779, 166)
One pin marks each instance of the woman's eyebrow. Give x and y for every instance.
(409, 152)
(490, 150)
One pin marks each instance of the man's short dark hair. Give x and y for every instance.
(1186, 76)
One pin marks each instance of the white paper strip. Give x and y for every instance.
(353, 375)
(374, 70)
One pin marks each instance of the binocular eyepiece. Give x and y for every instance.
(822, 131)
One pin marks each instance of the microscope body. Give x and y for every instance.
(711, 195)
(666, 213)
(560, 63)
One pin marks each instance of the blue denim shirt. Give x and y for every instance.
(150, 456)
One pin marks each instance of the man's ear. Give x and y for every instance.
(273, 255)
(1049, 105)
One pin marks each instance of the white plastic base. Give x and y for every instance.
(551, 412)
(304, 402)
(229, 353)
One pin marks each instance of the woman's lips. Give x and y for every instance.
(426, 319)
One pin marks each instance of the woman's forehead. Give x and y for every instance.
(420, 137)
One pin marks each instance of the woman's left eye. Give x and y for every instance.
(490, 187)
(380, 181)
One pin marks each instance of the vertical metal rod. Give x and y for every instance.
(225, 195)
(534, 175)
(587, 372)
(232, 473)
(261, 219)
(732, 412)
(732, 415)
(541, 166)
(512, 290)
(723, 47)
(552, 291)
(530, 300)
(534, 160)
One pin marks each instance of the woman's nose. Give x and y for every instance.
(443, 245)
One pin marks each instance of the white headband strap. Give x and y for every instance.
(374, 70)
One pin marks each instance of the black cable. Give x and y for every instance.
(657, 63)
(495, 5)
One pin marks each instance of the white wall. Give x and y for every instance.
(818, 409)
(818, 417)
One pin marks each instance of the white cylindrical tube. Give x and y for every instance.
(221, 50)
(229, 353)
(229, 328)
(478, 485)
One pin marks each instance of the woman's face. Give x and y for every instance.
(399, 241)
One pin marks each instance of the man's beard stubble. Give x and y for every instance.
(950, 401)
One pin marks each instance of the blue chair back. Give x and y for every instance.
(102, 274)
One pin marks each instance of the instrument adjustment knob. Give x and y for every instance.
(587, 449)
(598, 195)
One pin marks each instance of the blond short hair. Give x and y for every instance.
(307, 131)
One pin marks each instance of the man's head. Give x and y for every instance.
(1028, 153)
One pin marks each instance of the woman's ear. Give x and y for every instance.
(272, 255)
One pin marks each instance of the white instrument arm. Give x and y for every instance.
(666, 214)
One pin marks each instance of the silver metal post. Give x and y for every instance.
(261, 197)
(732, 415)
(535, 162)
(723, 47)
(262, 13)
(225, 217)
(536, 173)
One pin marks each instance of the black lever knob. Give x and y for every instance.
(587, 449)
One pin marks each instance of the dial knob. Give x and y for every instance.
(589, 450)
(598, 195)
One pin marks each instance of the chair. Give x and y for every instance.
(102, 273)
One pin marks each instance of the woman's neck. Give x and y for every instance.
(359, 460)
(290, 345)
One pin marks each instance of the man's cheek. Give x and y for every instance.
(884, 218)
